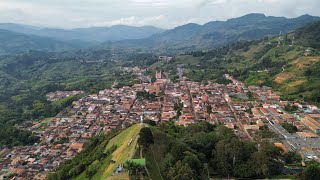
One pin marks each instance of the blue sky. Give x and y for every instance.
(161, 13)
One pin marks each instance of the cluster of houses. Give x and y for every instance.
(54, 96)
(185, 102)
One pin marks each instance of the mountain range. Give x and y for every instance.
(18, 38)
(92, 34)
(213, 34)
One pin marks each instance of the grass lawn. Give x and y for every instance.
(141, 162)
(187, 59)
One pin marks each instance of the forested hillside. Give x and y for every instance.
(13, 43)
(86, 35)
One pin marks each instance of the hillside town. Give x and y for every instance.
(245, 110)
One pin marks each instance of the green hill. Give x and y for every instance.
(291, 67)
(101, 156)
(13, 42)
(198, 151)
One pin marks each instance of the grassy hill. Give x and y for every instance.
(101, 156)
(122, 153)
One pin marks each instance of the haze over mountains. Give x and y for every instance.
(92, 34)
(21, 38)
(216, 33)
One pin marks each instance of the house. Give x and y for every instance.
(311, 123)
(230, 125)
(77, 146)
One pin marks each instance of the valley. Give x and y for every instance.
(182, 103)
(237, 98)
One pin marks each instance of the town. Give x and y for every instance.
(245, 110)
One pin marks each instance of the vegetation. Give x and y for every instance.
(146, 95)
(292, 157)
(145, 138)
(311, 172)
(202, 150)
(289, 127)
(290, 108)
(135, 170)
(124, 151)
(263, 62)
(178, 108)
(26, 78)
(12, 136)
(264, 132)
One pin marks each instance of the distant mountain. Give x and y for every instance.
(216, 33)
(93, 34)
(12, 42)
(188, 37)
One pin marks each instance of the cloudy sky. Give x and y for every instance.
(161, 13)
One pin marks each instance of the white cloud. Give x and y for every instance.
(163, 13)
(133, 21)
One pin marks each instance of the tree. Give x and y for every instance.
(227, 152)
(177, 149)
(209, 109)
(311, 172)
(250, 95)
(290, 108)
(308, 73)
(150, 122)
(153, 79)
(245, 170)
(134, 170)
(145, 137)
(290, 127)
(193, 161)
(261, 163)
(181, 171)
(92, 169)
(292, 157)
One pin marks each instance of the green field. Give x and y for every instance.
(119, 156)
(141, 162)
